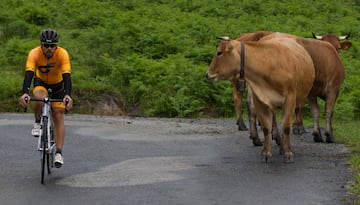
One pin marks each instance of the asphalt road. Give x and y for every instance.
(148, 161)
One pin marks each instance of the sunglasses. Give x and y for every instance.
(49, 45)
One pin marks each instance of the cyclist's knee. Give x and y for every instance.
(39, 92)
(58, 113)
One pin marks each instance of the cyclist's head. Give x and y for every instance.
(49, 36)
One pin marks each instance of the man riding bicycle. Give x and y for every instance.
(51, 65)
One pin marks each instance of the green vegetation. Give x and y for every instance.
(348, 133)
(153, 55)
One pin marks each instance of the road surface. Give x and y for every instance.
(151, 161)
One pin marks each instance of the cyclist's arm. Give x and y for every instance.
(25, 98)
(67, 90)
(27, 81)
(67, 83)
(30, 68)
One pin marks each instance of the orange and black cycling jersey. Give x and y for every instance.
(49, 70)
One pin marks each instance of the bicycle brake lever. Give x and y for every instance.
(26, 100)
(66, 103)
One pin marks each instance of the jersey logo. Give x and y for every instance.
(46, 68)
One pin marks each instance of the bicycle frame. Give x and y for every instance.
(46, 115)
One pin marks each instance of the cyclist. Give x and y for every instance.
(51, 66)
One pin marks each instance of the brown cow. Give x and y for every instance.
(336, 40)
(239, 85)
(329, 77)
(238, 95)
(280, 74)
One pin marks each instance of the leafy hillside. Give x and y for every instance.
(151, 56)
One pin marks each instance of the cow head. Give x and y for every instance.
(225, 65)
(336, 40)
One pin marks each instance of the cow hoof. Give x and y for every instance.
(241, 125)
(277, 139)
(266, 156)
(256, 141)
(288, 157)
(330, 139)
(266, 159)
(281, 151)
(318, 138)
(297, 130)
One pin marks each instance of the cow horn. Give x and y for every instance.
(225, 38)
(316, 37)
(345, 37)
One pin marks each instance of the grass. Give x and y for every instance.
(348, 133)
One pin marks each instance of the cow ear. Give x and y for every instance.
(346, 45)
(259, 35)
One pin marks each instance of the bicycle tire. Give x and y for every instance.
(44, 158)
(48, 162)
(51, 152)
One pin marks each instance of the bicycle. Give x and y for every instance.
(46, 143)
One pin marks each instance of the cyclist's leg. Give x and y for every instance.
(58, 118)
(59, 126)
(59, 132)
(39, 92)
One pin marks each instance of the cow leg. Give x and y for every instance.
(238, 92)
(275, 131)
(328, 132)
(253, 127)
(265, 116)
(329, 105)
(266, 128)
(288, 111)
(298, 125)
(314, 107)
(252, 119)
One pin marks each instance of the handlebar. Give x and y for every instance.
(46, 100)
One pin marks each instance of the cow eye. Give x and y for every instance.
(219, 53)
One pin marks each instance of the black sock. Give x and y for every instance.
(59, 151)
(37, 121)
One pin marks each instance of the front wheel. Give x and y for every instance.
(52, 149)
(43, 159)
(49, 160)
(43, 153)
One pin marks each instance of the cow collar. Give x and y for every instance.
(242, 58)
